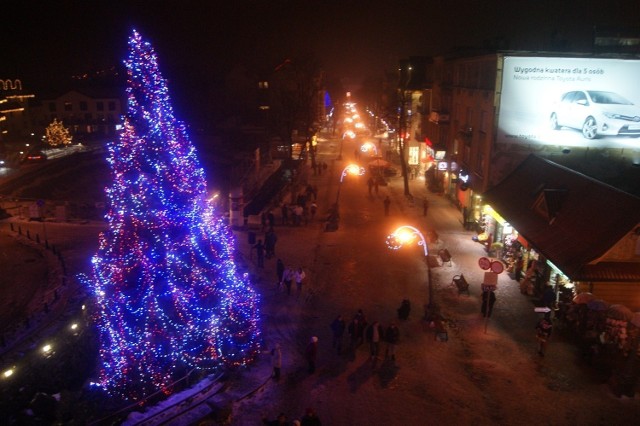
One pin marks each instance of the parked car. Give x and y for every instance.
(596, 113)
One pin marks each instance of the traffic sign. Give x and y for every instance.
(484, 263)
(497, 267)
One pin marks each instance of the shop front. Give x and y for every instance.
(573, 255)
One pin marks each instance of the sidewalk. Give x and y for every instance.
(505, 342)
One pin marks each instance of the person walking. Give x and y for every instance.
(287, 277)
(299, 276)
(425, 207)
(370, 185)
(488, 300)
(313, 209)
(543, 333)
(387, 204)
(276, 361)
(375, 333)
(360, 325)
(519, 266)
(259, 248)
(270, 239)
(337, 328)
(279, 273)
(548, 300)
(311, 354)
(298, 210)
(392, 336)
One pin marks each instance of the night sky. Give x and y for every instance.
(197, 41)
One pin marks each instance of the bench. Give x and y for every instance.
(460, 282)
(445, 256)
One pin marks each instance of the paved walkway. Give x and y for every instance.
(513, 315)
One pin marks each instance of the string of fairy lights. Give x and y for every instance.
(168, 294)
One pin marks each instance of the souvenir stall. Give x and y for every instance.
(616, 331)
(626, 327)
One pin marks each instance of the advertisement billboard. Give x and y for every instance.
(570, 102)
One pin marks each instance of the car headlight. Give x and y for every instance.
(611, 115)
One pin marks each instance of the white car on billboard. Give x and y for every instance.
(596, 113)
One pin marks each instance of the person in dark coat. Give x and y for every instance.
(543, 332)
(375, 333)
(404, 309)
(270, 239)
(488, 299)
(392, 336)
(548, 299)
(287, 278)
(279, 272)
(519, 265)
(387, 203)
(259, 248)
(276, 361)
(337, 328)
(311, 354)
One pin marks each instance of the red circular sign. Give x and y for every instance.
(484, 263)
(497, 267)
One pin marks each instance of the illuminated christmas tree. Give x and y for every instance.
(169, 297)
(57, 135)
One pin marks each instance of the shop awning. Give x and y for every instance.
(609, 272)
(571, 219)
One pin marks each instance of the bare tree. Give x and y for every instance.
(296, 94)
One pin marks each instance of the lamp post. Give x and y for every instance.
(351, 169)
(334, 215)
(348, 134)
(406, 234)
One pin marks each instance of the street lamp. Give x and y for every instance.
(334, 215)
(351, 169)
(368, 146)
(406, 234)
(348, 134)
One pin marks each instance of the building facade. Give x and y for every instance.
(89, 114)
(485, 113)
